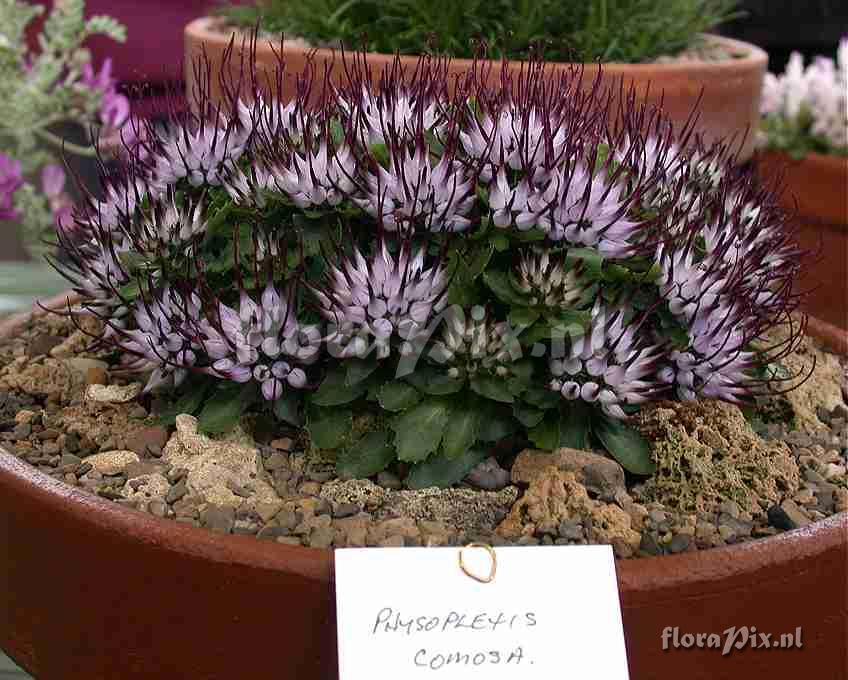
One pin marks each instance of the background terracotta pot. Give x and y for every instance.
(93, 590)
(731, 89)
(817, 186)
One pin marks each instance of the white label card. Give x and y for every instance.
(549, 613)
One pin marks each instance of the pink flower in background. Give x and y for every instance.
(98, 81)
(53, 186)
(114, 107)
(10, 181)
(52, 181)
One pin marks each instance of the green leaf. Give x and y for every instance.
(398, 396)
(523, 317)
(223, 410)
(434, 381)
(419, 431)
(592, 260)
(542, 398)
(287, 408)
(359, 369)
(193, 394)
(527, 415)
(546, 434)
(575, 425)
(500, 242)
(443, 472)
(626, 445)
(370, 455)
(498, 283)
(327, 427)
(461, 431)
(495, 422)
(492, 387)
(335, 391)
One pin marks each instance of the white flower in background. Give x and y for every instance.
(818, 92)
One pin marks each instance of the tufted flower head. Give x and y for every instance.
(370, 301)
(260, 341)
(472, 343)
(318, 175)
(161, 341)
(610, 364)
(517, 138)
(201, 151)
(416, 190)
(550, 281)
(169, 222)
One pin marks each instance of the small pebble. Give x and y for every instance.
(276, 461)
(345, 510)
(282, 444)
(176, 492)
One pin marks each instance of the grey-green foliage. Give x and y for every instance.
(563, 30)
(42, 89)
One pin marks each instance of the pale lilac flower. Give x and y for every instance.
(412, 189)
(610, 364)
(170, 224)
(393, 114)
(203, 153)
(161, 342)
(370, 301)
(507, 202)
(10, 181)
(316, 177)
(514, 139)
(261, 341)
(582, 208)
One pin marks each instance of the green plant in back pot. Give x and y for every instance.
(626, 31)
(660, 48)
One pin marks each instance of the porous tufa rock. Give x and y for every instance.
(50, 378)
(707, 454)
(599, 474)
(148, 487)
(216, 466)
(112, 394)
(112, 462)
(468, 510)
(821, 389)
(555, 496)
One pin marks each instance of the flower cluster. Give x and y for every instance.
(470, 262)
(806, 108)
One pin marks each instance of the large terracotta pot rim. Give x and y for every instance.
(649, 577)
(208, 30)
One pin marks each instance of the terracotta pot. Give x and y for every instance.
(817, 188)
(731, 89)
(95, 590)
